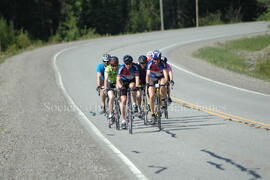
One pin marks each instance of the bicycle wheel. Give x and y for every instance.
(166, 110)
(129, 112)
(106, 107)
(130, 117)
(145, 110)
(117, 114)
(158, 113)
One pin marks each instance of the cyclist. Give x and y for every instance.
(170, 77)
(100, 79)
(110, 81)
(142, 72)
(156, 73)
(128, 77)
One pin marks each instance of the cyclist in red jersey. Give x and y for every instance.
(156, 73)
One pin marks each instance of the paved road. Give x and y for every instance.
(193, 144)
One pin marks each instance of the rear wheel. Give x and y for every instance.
(129, 117)
(117, 115)
(145, 110)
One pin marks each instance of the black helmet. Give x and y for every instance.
(142, 59)
(127, 59)
(164, 59)
(106, 57)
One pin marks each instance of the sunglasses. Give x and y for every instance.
(114, 66)
(128, 64)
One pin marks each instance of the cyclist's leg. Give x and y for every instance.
(151, 92)
(133, 95)
(139, 99)
(111, 99)
(123, 100)
(163, 89)
(132, 86)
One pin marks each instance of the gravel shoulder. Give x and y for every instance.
(40, 136)
(182, 56)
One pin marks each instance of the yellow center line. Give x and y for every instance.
(220, 113)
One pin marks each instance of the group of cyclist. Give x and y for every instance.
(150, 70)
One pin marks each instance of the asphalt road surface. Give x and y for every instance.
(194, 144)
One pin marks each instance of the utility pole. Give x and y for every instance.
(161, 15)
(197, 13)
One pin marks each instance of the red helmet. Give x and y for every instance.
(114, 61)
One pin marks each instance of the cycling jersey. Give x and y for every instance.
(128, 74)
(169, 68)
(100, 69)
(156, 69)
(112, 74)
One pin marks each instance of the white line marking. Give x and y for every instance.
(164, 49)
(90, 126)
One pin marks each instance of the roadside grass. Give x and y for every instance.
(250, 56)
(249, 44)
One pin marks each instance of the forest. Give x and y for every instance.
(23, 23)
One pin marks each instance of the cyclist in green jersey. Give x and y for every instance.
(110, 80)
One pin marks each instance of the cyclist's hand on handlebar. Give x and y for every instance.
(98, 88)
(172, 82)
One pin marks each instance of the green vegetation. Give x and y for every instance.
(249, 44)
(250, 56)
(31, 23)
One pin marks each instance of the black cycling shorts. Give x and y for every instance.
(125, 84)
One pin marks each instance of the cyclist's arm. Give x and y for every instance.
(171, 75)
(99, 79)
(165, 73)
(118, 82)
(147, 79)
(137, 81)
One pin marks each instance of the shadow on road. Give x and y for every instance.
(231, 162)
(177, 124)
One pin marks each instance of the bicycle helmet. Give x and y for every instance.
(127, 59)
(149, 53)
(106, 57)
(156, 55)
(114, 61)
(164, 59)
(142, 59)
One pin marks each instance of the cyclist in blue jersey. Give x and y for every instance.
(100, 79)
(156, 73)
(128, 77)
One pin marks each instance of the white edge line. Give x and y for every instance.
(202, 77)
(91, 126)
